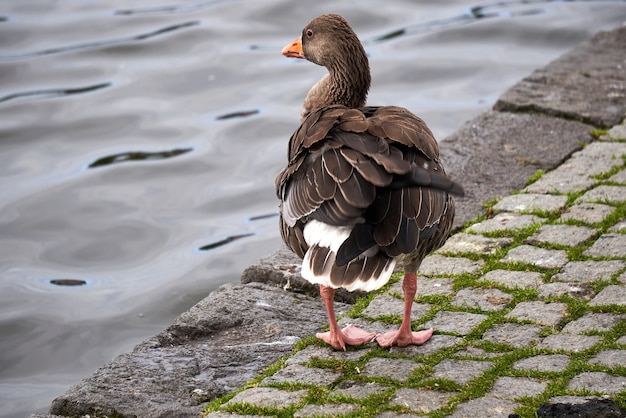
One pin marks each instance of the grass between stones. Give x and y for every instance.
(472, 346)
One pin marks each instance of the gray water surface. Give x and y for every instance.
(139, 142)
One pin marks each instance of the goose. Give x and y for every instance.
(364, 187)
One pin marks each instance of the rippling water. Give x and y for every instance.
(139, 145)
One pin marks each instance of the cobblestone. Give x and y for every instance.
(543, 363)
(525, 304)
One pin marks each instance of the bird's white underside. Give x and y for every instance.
(329, 236)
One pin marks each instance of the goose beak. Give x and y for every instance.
(294, 49)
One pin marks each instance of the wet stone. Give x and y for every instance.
(485, 408)
(485, 299)
(435, 343)
(570, 342)
(528, 202)
(557, 289)
(608, 245)
(397, 369)
(474, 244)
(390, 305)
(505, 221)
(549, 314)
(329, 410)
(589, 271)
(543, 363)
(460, 323)
(268, 397)
(601, 322)
(598, 382)
(569, 235)
(514, 279)
(421, 400)
(589, 213)
(516, 335)
(604, 194)
(610, 295)
(610, 358)
(460, 371)
(357, 390)
(440, 265)
(539, 257)
(296, 373)
(516, 387)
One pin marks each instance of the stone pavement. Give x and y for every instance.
(528, 304)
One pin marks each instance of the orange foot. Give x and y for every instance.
(350, 335)
(402, 337)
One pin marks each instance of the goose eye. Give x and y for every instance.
(309, 33)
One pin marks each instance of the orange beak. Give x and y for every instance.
(294, 50)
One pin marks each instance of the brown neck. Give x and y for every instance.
(347, 83)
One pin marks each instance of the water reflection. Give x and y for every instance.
(138, 156)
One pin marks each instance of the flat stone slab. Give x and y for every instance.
(604, 194)
(485, 408)
(324, 353)
(422, 401)
(210, 350)
(516, 387)
(589, 213)
(460, 371)
(610, 295)
(608, 245)
(484, 299)
(358, 390)
(461, 323)
(530, 202)
(521, 139)
(569, 235)
(610, 358)
(268, 397)
(562, 181)
(474, 244)
(436, 264)
(598, 382)
(516, 335)
(330, 410)
(391, 305)
(548, 314)
(557, 90)
(569, 342)
(514, 279)
(601, 322)
(589, 271)
(437, 342)
(543, 363)
(575, 174)
(536, 256)
(396, 369)
(506, 221)
(297, 373)
(575, 290)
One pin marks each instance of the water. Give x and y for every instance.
(139, 146)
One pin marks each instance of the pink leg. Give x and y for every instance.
(404, 336)
(336, 337)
